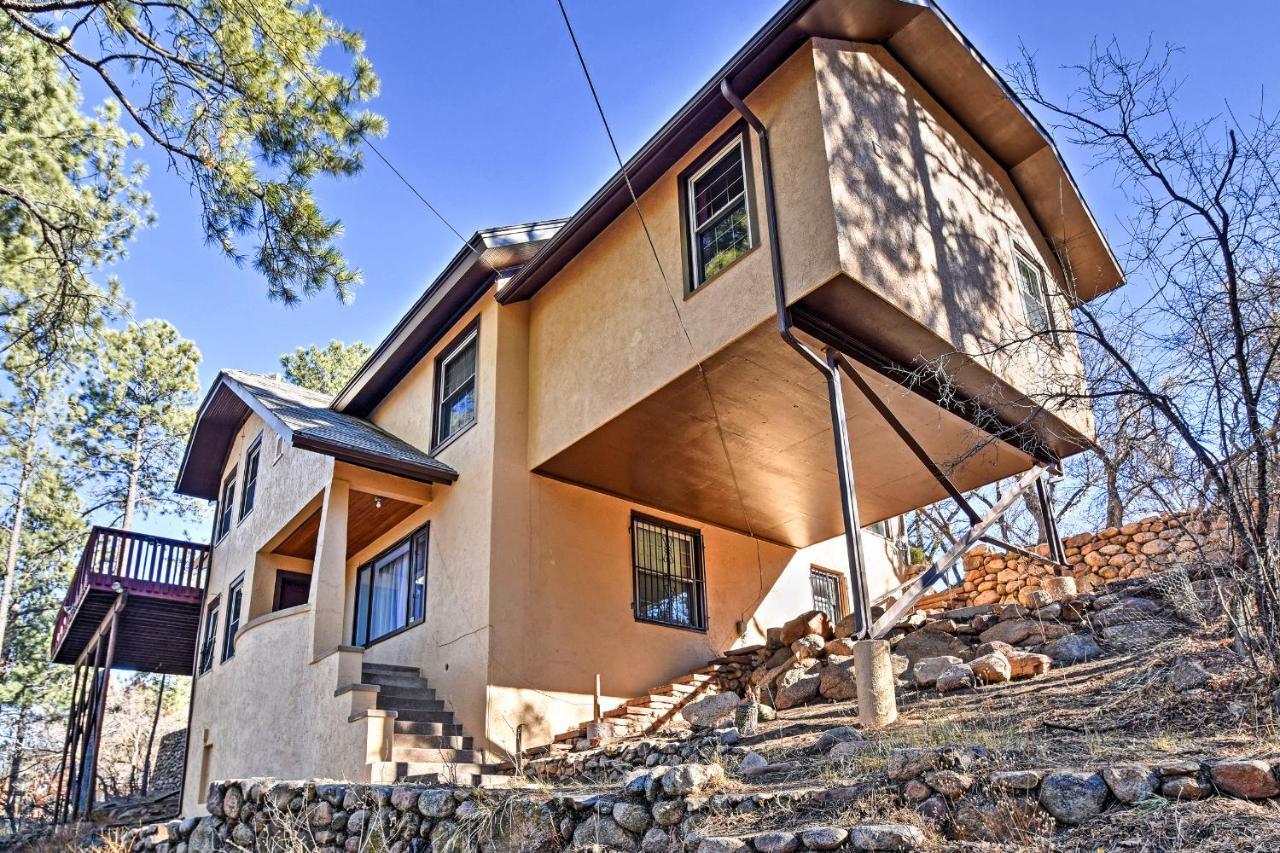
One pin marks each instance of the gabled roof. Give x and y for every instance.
(305, 419)
(920, 36)
(447, 298)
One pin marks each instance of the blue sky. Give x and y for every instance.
(490, 119)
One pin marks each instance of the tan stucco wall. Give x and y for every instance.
(929, 221)
(608, 331)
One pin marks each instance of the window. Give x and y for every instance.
(391, 589)
(210, 636)
(668, 574)
(828, 592)
(234, 594)
(1035, 297)
(250, 488)
(880, 528)
(719, 212)
(225, 505)
(456, 387)
(292, 589)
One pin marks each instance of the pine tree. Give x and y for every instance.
(326, 370)
(132, 416)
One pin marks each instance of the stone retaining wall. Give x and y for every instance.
(1132, 550)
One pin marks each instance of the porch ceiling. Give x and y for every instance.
(366, 521)
(771, 471)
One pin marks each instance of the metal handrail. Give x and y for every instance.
(149, 565)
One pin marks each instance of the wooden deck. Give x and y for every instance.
(162, 582)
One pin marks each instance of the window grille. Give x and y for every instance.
(826, 593)
(668, 574)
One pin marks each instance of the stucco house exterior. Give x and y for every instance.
(580, 456)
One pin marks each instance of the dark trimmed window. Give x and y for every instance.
(1035, 295)
(292, 589)
(250, 488)
(719, 212)
(225, 506)
(391, 589)
(234, 595)
(210, 637)
(828, 592)
(667, 571)
(455, 394)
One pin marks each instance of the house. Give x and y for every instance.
(587, 454)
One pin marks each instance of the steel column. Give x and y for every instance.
(848, 500)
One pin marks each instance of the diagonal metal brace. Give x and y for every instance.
(952, 563)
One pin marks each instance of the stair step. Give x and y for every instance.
(435, 756)
(432, 741)
(405, 703)
(693, 678)
(418, 715)
(446, 771)
(427, 727)
(396, 694)
(391, 681)
(390, 668)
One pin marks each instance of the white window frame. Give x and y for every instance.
(739, 142)
(1022, 255)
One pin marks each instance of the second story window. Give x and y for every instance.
(234, 595)
(719, 215)
(210, 637)
(455, 402)
(1035, 296)
(250, 488)
(225, 506)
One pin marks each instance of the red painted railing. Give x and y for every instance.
(142, 565)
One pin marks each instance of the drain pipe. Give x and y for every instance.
(829, 369)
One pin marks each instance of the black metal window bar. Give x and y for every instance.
(667, 563)
(826, 593)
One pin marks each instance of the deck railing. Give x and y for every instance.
(141, 564)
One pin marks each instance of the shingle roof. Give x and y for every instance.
(302, 416)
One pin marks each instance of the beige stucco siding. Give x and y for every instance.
(608, 330)
(929, 221)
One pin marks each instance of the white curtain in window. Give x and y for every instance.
(390, 592)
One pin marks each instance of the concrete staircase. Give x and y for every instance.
(649, 713)
(427, 745)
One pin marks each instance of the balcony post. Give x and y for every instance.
(329, 572)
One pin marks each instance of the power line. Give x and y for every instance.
(609, 132)
(266, 32)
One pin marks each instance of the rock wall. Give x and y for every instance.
(1131, 551)
(166, 771)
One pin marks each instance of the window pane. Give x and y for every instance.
(389, 594)
(717, 187)
(418, 590)
(1032, 295)
(459, 369)
(456, 396)
(250, 478)
(668, 574)
(724, 241)
(360, 635)
(459, 410)
(233, 620)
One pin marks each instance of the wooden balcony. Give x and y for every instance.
(157, 583)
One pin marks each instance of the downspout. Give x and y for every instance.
(829, 369)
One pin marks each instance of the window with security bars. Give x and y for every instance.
(826, 593)
(670, 588)
(719, 216)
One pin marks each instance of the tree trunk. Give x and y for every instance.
(1115, 504)
(12, 797)
(19, 511)
(135, 466)
(151, 737)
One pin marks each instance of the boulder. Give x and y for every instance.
(808, 647)
(886, 836)
(599, 830)
(797, 685)
(931, 644)
(837, 679)
(1001, 821)
(1135, 634)
(1130, 783)
(1012, 631)
(1073, 648)
(907, 763)
(1125, 611)
(1073, 796)
(436, 803)
(845, 627)
(840, 734)
(992, 668)
(776, 842)
(842, 647)
(753, 764)
(948, 783)
(684, 779)
(823, 837)
(810, 622)
(1016, 780)
(1028, 665)
(721, 845)
(1184, 788)
(926, 670)
(955, 678)
(657, 840)
(711, 711)
(1249, 780)
(1187, 674)
(668, 812)
(848, 749)
(632, 817)
(934, 809)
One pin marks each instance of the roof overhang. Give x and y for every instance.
(466, 278)
(920, 36)
(225, 409)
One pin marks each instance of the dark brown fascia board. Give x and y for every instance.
(224, 384)
(793, 25)
(452, 293)
(374, 462)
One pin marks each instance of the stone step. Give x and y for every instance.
(397, 692)
(435, 756)
(694, 678)
(420, 727)
(446, 772)
(432, 741)
(417, 715)
(392, 681)
(390, 668)
(406, 703)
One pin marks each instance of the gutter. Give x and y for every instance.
(828, 367)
